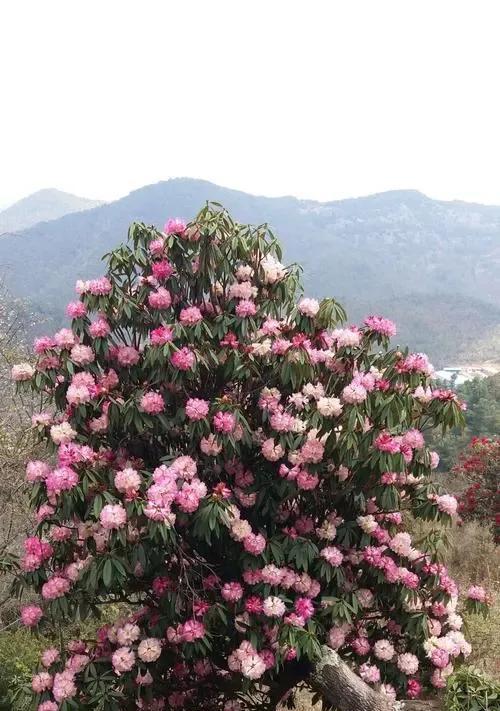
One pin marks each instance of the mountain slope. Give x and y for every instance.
(433, 265)
(48, 204)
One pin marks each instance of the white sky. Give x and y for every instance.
(322, 98)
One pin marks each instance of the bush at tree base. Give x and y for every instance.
(234, 466)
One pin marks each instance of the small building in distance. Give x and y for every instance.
(460, 374)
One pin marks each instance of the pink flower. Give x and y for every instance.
(76, 309)
(271, 451)
(82, 355)
(99, 328)
(192, 630)
(354, 393)
(245, 308)
(44, 512)
(478, 593)
(162, 270)
(61, 479)
(304, 607)
(369, 673)
(197, 409)
(152, 403)
(49, 656)
(253, 605)
(407, 663)
(156, 247)
(210, 446)
(387, 443)
(282, 421)
(440, 658)
(160, 299)
(401, 544)
(252, 666)
(361, 646)
(65, 338)
(64, 685)
(123, 660)
(37, 471)
(307, 481)
(312, 451)
(414, 439)
(365, 598)
(438, 679)
(183, 359)
(224, 422)
(42, 344)
(434, 460)
(337, 637)
(48, 706)
(190, 316)
(388, 690)
(127, 355)
(161, 335)
(308, 307)
(381, 325)
(113, 516)
(232, 592)
(78, 394)
(128, 481)
(55, 587)
(413, 689)
(41, 682)
(31, 615)
(254, 543)
(383, 650)
(175, 226)
(332, 555)
(22, 371)
(100, 287)
(188, 498)
(447, 504)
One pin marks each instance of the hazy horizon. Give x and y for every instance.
(5, 205)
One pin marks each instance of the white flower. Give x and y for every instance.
(329, 406)
(273, 269)
(274, 607)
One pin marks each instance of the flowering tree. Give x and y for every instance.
(233, 466)
(479, 464)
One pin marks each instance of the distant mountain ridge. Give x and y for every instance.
(46, 204)
(434, 266)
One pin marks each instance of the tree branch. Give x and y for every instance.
(346, 691)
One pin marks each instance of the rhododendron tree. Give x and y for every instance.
(231, 463)
(479, 465)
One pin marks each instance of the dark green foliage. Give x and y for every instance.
(469, 690)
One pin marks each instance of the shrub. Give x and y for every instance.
(470, 690)
(233, 465)
(479, 464)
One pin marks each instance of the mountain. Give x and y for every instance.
(48, 204)
(431, 265)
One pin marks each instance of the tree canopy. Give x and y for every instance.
(235, 466)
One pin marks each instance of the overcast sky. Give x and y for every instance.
(322, 98)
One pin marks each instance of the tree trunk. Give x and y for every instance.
(346, 691)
